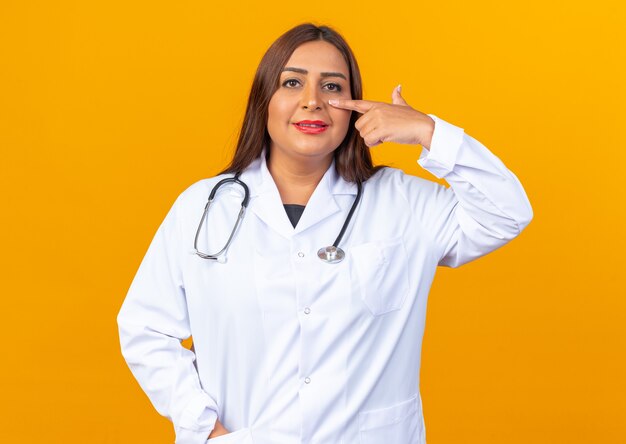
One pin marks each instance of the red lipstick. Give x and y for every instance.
(311, 126)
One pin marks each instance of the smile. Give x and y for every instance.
(311, 126)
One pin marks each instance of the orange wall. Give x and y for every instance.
(108, 110)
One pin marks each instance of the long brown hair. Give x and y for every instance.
(352, 157)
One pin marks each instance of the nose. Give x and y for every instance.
(310, 97)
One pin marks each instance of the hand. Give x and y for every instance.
(390, 122)
(218, 430)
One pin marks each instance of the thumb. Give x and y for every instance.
(396, 98)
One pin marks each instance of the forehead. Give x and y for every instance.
(318, 56)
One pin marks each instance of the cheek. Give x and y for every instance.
(341, 119)
(278, 111)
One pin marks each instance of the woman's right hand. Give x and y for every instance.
(218, 430)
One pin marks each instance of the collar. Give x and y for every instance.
(266, 203)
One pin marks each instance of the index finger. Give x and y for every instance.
(361, 106)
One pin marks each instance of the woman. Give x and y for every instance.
(294, 343)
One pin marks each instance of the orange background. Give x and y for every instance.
(108, 110)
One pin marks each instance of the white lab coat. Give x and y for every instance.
(289, 349)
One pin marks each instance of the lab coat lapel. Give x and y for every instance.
(266, 203)
(265, 199)
(269, 208)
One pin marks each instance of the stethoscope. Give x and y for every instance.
(331, 254)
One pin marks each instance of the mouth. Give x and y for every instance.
(311, 126)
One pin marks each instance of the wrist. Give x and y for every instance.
(428, 129)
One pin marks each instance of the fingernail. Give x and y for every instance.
(333, 102)
(399, 88)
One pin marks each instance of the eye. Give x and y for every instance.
(291, 83)
(333, 87)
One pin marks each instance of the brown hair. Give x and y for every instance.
(352, 157)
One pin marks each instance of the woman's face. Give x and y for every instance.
(301, 123)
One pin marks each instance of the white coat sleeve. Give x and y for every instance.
(152, 321)
(485, 206)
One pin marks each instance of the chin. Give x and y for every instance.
(305, 149)
(314, 152)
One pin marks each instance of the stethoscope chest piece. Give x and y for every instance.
(331, 254)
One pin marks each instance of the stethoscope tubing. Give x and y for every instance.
(331, 254)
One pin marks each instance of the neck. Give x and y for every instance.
(296, 179)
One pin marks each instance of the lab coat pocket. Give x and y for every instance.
(380, 271)
(241, 436)
(399, 423)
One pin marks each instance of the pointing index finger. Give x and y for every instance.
(361, 106)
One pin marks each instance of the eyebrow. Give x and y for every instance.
(323, 74)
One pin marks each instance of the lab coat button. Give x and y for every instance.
(300, 254)
(307, 380)
(307, 310)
